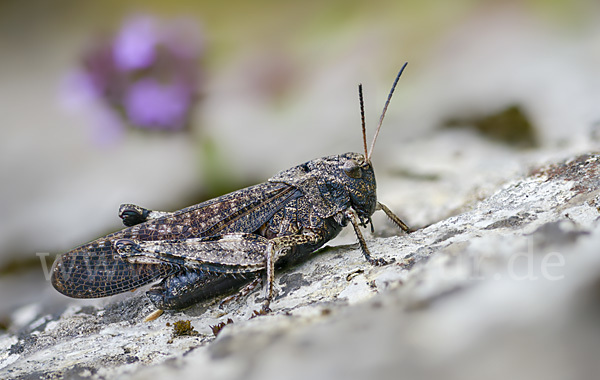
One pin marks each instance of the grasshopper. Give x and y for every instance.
(217, 246)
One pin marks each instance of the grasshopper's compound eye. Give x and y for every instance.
(352, 169)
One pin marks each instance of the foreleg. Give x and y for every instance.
(351, 215)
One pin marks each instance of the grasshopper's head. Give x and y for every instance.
(357, 169)
(358, 178)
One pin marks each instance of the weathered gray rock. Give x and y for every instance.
(508, 289)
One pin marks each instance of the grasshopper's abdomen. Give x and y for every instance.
(188, 287)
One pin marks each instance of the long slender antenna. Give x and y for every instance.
(362, 117)
(384, 110)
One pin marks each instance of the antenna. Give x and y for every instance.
(362, 117)
(384, 110)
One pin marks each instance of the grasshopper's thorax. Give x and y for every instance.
(333, 184)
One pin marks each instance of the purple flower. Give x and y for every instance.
(155, 105)
(148, 74)
(135, 46)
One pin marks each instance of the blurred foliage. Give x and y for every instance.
(509, 126)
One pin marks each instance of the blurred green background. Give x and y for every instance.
(279, 87)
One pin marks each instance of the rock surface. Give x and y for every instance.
(510, 288)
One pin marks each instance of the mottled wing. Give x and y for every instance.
(96, 270)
